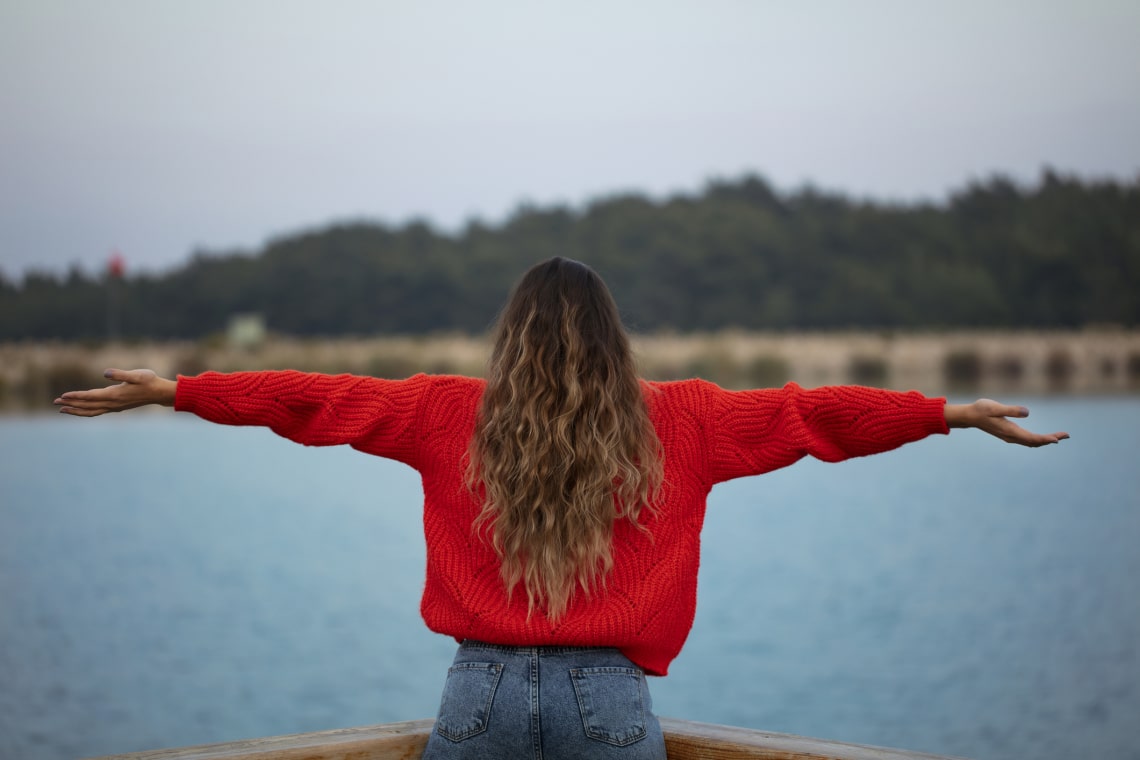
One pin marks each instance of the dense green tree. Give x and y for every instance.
(1062, 253)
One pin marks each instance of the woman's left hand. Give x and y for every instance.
(993, 417)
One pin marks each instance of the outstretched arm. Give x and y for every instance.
(138, 387)
(992, 417)
(753, 432)
(372, 414)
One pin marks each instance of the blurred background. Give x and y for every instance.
(942, 196)
(193, 177)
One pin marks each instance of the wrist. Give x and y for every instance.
(166, 392)
(959, 415)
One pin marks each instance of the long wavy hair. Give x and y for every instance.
(563, 445)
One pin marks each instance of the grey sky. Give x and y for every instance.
(162, 127)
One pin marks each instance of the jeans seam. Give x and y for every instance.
(535, 717)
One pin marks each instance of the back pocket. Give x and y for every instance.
(612, 704)
(465, 709)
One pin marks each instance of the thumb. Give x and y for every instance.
(995, 409)
(132, 376)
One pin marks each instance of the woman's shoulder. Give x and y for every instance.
(446, 380)
(678, 388)
(692, 393)
(450, 391)
(449, 385)
(705, 397)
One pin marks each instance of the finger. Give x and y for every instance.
(1041, 439)
(118, 375)
(79, 403)
(91, 395)
(1036, 440)
(1011, 432)
(75, 411)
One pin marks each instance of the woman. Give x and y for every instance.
(563, 500)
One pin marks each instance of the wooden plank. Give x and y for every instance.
(684, 740)
(689, 740)
(389, 741)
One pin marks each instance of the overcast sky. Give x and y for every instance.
(158, 128)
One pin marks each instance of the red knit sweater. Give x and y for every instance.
(708, 435)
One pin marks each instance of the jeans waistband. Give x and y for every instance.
(511, 649)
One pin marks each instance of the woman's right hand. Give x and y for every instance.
(137, 387)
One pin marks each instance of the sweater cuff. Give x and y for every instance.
(185, 393)
(936, 408)
(198, 394)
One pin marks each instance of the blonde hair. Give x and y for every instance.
(563, 445)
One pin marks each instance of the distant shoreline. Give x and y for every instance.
(1028, 362)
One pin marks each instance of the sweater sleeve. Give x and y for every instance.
(373, 415)
(752, 432)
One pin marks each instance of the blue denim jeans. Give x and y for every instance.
(544, 703)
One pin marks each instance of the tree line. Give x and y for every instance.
(1061, 253)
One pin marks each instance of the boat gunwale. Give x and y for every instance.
(684, 740)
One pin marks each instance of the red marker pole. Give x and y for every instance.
(116, 266)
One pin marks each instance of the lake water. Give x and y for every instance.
(166, 582)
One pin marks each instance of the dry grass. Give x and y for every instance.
(981, 362)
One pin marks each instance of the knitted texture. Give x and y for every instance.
(708, 435)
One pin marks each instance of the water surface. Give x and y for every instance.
(166, 582)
